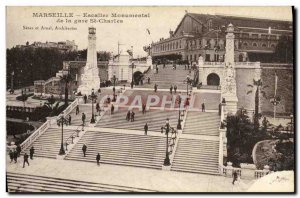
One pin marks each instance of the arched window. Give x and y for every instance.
(264, 45)
(254, 44)
(245, 44)
(272, 45)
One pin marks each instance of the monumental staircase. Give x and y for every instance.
(198, 147)
(48, 144)
(121, 149)
(202, 123)
(17, 182)
(154, 118)
(167, 77)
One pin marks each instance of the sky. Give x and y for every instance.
(132, 32)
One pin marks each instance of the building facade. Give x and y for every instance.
(204, 35)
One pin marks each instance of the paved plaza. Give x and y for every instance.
(156, 180)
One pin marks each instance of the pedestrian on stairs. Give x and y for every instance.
(18, 149)
(84, 147)
(128, 116)
(203, 107)
(77, 109)
(156, 69)
(85, 98)
(144, 108)
(70, 119)
(11, 156)
(15, 156)
(83, 119)
(155, 87)
(164, 65)
(98, 157)
(97, 107)
(132, 116)
(175, 88)
(25, 160)
(184, 66)
(148, 80)
(235, 176)
(171, 89)
(146, 128)
(31, 152)
(112, 109)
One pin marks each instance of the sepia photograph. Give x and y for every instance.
(150, 99)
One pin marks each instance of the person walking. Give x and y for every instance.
(175, 88)
(70, 119)
(18, 149)
(31, 152)
(11, 156)
(132, 116)
(98, 157)
(148, 80)
(128, 116)
(156, 69)
(234, 176)
(146, 128)
(203, 107)
(155, 87)
(97, 107)
(83, 119)
(171, 89)
(25, 160)
(144, 108)
(77, 109)
(112, 109)
(84, 147)
(85, 98)
(15, 156)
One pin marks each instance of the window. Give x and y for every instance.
(245, 44)
(254, 44)
(263, 36)
(272, 37)
(272, 45)
(254, 36)
(264, 45)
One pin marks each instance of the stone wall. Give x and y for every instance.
(284, 88)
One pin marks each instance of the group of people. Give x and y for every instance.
(130, 116)
(15, 153)
(171, 89)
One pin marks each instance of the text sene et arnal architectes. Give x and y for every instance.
(70, 14)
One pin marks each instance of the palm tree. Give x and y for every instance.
(66, 79)
(258, 87)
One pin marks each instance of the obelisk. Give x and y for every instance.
(90, 78)
(229, 83)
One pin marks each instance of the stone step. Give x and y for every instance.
(62, 185)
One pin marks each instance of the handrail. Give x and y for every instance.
(72, 135)
(35, 135)
(70, 107)
(221, 149)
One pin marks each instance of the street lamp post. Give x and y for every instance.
(167, 128)
(132, 66)
(93, 96)
(188, 79)
(179, 113)
(61, 121)
(114, 89)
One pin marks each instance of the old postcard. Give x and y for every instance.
(150, 99)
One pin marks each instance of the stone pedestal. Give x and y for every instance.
(231, 104)
(248, 171)
(229, 169)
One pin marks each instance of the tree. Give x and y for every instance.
(66, 79)
(259, 89)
